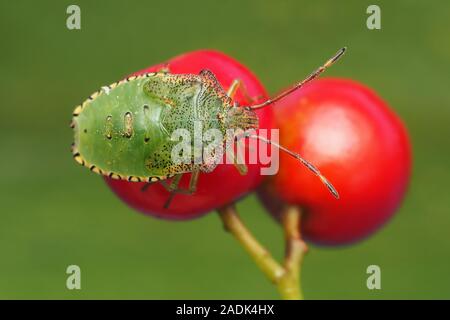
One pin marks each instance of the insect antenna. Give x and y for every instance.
(311, 77)
(306, 163)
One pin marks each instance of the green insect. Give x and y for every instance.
(124, 130)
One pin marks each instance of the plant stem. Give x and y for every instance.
(294, 252)
(285, 277)
(262, 257)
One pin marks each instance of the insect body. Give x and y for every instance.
(124, 130)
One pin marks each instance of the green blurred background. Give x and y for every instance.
(55, 213)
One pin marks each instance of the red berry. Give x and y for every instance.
(357, 142)
(224, 184)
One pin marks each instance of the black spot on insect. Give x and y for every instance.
(113, 175)
(85, 130)
(77, 110)
(78, 158)
(92, 167)
(146, 139)
(134, 179)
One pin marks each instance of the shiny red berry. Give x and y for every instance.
(357, 142)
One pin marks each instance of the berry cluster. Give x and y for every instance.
(342, 127)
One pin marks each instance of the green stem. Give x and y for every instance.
(261, 256)
(295, 251)
(285, 277)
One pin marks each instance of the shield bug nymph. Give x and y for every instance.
(124, 130)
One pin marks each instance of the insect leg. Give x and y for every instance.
(164, 69)
(240, 166)
(173, 186)
(193, 182)
(162, 181)
(239, 84)
(233, 88)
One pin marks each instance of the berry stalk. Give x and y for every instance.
(285, 277)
